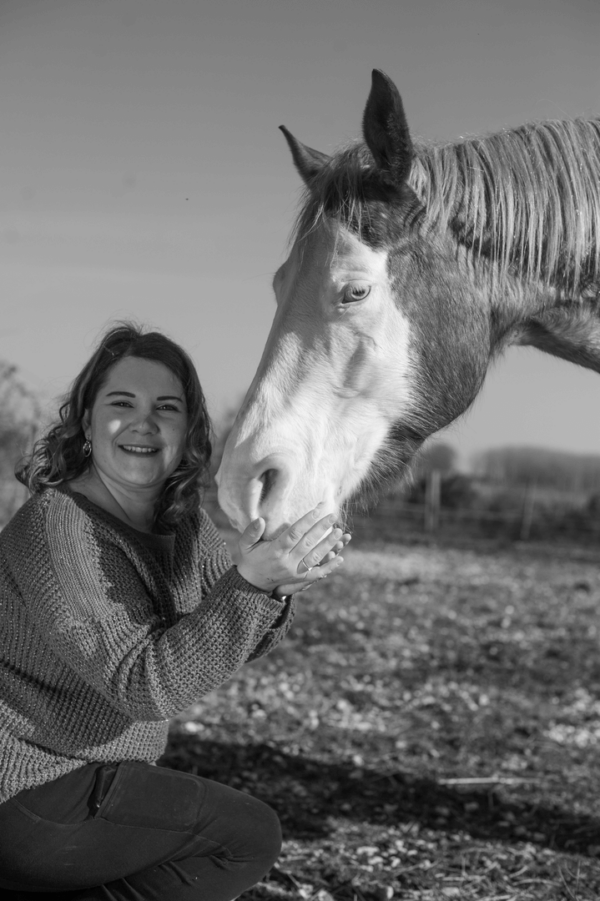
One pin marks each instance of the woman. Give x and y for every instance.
(119, 607)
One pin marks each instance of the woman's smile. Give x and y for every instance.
(137, 449)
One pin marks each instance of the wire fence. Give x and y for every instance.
(399, 520)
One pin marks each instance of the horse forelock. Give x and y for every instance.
(350, 190)
(527, 199)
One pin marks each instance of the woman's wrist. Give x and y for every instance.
(268, 591)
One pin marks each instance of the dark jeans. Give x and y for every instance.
(134, 832)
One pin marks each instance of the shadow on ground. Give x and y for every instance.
(309, 794)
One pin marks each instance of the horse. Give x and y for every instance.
(412, 267)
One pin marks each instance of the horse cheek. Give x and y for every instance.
(450, 343)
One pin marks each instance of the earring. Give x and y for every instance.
(87, 447)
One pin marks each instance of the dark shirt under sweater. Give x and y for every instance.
(106, 633)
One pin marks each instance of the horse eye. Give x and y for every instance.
(355, 292)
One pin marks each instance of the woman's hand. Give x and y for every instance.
(304, 553)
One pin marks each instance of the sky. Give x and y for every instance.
(142, 175)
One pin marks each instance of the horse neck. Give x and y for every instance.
(536, 315)
(523, 210)
(569, 330)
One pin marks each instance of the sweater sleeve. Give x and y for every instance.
(86, 595)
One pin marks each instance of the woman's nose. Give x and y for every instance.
(146, 424)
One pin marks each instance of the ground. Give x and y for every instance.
(428, 730)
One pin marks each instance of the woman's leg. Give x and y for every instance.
(156, 834)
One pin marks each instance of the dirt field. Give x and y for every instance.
(429, 729)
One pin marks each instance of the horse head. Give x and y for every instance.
(378, 340)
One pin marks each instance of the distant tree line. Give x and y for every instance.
(513, 493)
(543, 467)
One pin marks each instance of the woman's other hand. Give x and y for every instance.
(301, 555)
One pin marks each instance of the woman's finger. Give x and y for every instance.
(337, 547)
(322, 534)
(332, 554)
(252, 534)
(316, 554)
(324, 552)
(309, 579)
(320, 570)
(294, 533)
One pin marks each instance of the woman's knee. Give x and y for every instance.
(259, 831)
(248, 828)
(268, 836)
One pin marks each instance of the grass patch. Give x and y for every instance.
(428, 730)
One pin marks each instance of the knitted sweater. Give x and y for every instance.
(106, 632)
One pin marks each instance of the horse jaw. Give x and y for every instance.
(333, 381)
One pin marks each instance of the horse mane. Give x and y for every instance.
(527, 198)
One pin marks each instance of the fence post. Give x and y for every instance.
(527, 515)
(432, 500)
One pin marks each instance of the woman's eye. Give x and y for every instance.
(352, 293)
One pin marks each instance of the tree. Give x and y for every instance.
(541, 466)
(438, 456)
(20, 417)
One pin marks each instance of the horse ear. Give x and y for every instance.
(385, 129)
(308, 162)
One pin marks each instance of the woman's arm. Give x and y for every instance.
(94, 612)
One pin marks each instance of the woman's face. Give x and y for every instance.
(137, 425)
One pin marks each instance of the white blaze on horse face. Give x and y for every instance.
(335, 375)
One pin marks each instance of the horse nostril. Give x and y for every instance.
(268, 479)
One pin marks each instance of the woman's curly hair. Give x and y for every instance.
(58, 456)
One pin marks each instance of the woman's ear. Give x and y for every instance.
(86, 423)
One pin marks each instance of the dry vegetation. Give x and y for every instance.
(20, 415)
(428, 730)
